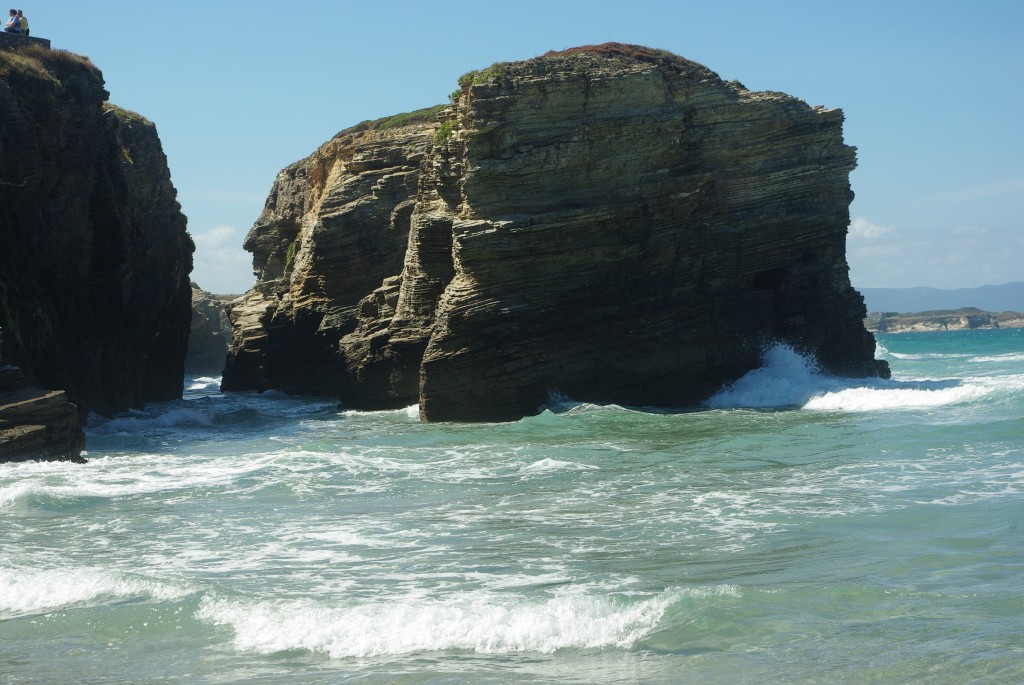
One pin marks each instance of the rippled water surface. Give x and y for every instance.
(798, 528)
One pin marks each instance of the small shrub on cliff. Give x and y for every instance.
(444, 132)
(289, 255)
(497, 72)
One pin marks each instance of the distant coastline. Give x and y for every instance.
(1006, 297)
(963, 319)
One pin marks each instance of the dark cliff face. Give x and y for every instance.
(94, 254)
(614, 223)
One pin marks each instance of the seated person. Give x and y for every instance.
(13, 24)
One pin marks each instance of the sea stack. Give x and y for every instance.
(94, 253)
(613, 223)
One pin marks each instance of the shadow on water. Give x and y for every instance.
(204, 414)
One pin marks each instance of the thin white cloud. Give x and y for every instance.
(220, 263)
(1010, 186)
(862, 228)
(217, 237)
(945, 257)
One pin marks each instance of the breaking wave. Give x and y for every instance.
(789, 379)
(484, 623)
(33, 591)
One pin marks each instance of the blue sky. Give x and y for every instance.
(932, 94)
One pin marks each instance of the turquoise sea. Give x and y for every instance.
(797, 529)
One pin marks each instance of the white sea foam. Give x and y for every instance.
(548, 464)
(410, 412)
(202, 383)
(143, 475)
(485, 623)
(875, 399)
(14, 492)
(33, 591)
(930, 355)
(999, 358)
(139, 421)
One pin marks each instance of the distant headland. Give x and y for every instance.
(963, 319)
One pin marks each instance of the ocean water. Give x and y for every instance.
(797, 529)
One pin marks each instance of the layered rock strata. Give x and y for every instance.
(94, 255)
(335, 226)
(614, 223)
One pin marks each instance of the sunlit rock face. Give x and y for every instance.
(613, 223)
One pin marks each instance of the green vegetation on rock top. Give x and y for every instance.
(420, 116)
(496, 72)
(125, 115)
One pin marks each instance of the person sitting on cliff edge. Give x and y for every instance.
(23, 20)
(13, 24)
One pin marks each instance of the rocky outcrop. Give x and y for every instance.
(335, 226)
(36, 423)
(612, 222)
(94, 255)
(210, 333)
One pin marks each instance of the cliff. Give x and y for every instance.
(94, 255)
(210, 333)
(612, 222)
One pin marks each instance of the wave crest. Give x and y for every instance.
(484, 624)
(32, 591)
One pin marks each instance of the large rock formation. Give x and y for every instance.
(612, 222)
(94, 255)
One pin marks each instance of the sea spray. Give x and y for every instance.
(785, 379)
(789, 379)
